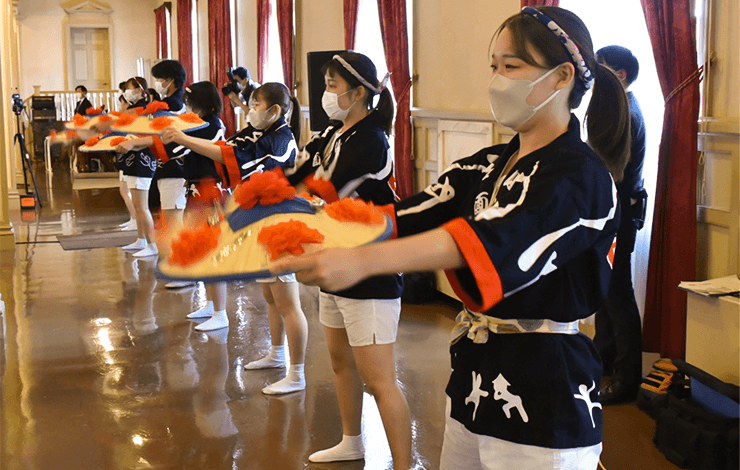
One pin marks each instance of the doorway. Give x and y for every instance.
(89, 63)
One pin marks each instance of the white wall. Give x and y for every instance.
(320, 27)
(450, 54)
(725, 71)
(43, 45)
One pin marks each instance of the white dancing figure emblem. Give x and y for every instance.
(501, 392)
(476, 393)
(585, 395)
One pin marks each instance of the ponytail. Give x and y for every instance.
(385, 110)
(608, 122)
(295, 119)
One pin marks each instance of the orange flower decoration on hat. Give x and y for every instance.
(155, 106)
(354, 210)
(124, 120)
(105, 118)
(116, 113)
(191, 118)
(70, 134)
(80, 120)
(287, 237)
(266, 188)
(91, 111)
(93, 141)
(160, 123)
(117, 140)
(192, 245)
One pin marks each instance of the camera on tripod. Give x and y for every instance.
(233, 85)
(18, 105)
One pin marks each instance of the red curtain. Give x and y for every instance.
(160, 27)
(263, 21)
(219, 44)
(540, 3)
(351, 8)
(396, 44)
(673, 246)
(285, 28)
(185, 36)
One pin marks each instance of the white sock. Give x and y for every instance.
(203, 312)
(139, 244)
(293, 382)
(130, 225)
(275, 359)
(150, 250)
(350, 448)
(218, 320)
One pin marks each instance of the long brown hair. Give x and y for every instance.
(607, 117)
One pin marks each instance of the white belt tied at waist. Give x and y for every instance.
(476, 326)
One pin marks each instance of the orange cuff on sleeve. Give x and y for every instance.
(325, 189)
(390, 209)
(158, 149)
(232, 165)
(486, 276)
(221, 170)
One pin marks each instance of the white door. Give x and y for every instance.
(90, 60)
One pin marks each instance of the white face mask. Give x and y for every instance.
(330, 103)
(131, 96)
(508, 99)
(160, 88)
(259, 119)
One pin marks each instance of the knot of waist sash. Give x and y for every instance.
(476, 326)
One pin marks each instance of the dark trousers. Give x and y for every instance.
(618, 327)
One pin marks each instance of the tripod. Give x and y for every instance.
(25, 158)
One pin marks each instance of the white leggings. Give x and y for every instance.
(464, 450)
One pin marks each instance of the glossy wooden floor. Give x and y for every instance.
(101, 369)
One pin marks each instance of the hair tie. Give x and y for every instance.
(565, 40)
(384, 83)
(359, 77)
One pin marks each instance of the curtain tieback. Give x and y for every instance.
(405, 90)
(476, 326)
(697, 74)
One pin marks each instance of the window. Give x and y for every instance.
(194, 37)
(368, 39)
(168, 26)
(274, 60)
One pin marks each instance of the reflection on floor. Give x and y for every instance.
(101, 369)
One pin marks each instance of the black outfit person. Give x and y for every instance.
(618, 325)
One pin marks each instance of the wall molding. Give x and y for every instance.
(452, 114)
(711, 127)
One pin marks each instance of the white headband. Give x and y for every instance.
(383, 83)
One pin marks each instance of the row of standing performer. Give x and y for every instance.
(526, 231)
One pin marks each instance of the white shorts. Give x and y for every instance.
(121, 176)
(464, 450)
(367, 321)
(172, 193)
(138, 182)
(290, 277)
